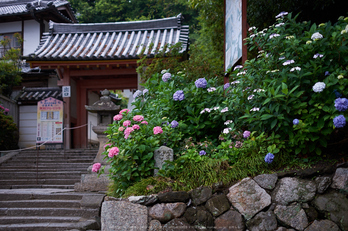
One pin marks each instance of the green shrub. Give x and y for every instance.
(8, 131)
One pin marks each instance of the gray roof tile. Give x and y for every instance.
(119, 40)
(22, 7)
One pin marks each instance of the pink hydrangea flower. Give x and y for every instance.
(124, 110)
(128, 130)
(121, 129)
(127, 123)
(118, 117)
(106, 145)
(157, 130)
(96, 167)
(144, 122)
(138, 118)
(136, 127)
(113, 152)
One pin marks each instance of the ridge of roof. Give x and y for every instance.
(59, 28)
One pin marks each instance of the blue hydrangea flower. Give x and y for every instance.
(295, 121)
(166, 77)
(201, 153)
(179, 95)
(174, 124)
(327, 73)
(341, 104)
(269, 158)
(227, 85)
(339, 121)
(201, 83)
(337, 94)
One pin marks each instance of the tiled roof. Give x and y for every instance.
(37, 94)
(24, 7)
(119, 40)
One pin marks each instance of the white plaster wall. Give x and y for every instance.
(31, 36)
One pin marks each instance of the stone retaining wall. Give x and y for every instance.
(311, 200)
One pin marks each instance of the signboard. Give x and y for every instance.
(49, 121)
(66, 91)
(233, 32)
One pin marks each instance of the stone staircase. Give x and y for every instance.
(45, 168)
(37, 192)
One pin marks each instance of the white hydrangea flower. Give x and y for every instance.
(309, 42)
(241, 73)
(274, 35)
(235, 82)
(281, 14)
(252, 28)
(228, 122)
(319, 87)
(224, 110)
(317, 36)
(164, 71)
(295, 69)
(237, 67)
(279, 24)
(211, 89)
(255, 109)
(318, 56)
(287, 62)
(226, 130)
(340, 77)
(250, 97)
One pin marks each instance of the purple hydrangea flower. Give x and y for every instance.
(339, 121)
(327, 73)
(295, 121)
(201, 83)
(202, 153)
(341, 104)
(227, 85)
(137, 94)
(166, 77)
(179, 95)
(269, 158)
(174, 124)
(246, 134)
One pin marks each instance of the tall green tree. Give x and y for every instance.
(9, 66)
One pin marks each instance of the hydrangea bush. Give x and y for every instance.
(291, 87)
(133, 139)
(8, 131)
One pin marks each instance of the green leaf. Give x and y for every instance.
(266, 116)
(273, 124)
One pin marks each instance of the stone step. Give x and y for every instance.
(41, 169)
(43, 161)
(41, 175)
(9, 196)
(61, 186)
(86, 213)
(36, 219)
(48, 226)
(58, 159)
(40, 181)
(40, 204)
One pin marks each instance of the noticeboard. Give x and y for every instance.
(233, 32)
(49, 121)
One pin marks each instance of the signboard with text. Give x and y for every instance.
(49, 121)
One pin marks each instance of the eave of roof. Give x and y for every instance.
(111, 41)
(25, 8)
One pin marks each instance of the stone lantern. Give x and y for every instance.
(105, 110)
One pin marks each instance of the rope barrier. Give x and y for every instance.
(66, 128)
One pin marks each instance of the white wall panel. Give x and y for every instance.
(31, 36)
(10, 27)
(27, 126)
